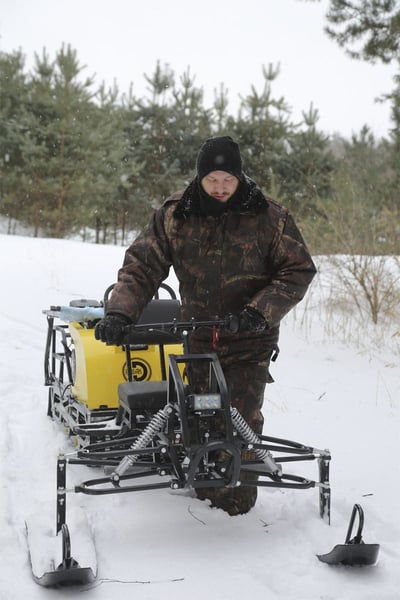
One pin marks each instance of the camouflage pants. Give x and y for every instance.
(246, 381)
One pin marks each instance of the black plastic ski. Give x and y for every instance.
(354, 552)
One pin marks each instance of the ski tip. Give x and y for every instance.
(66, 577)
(351, 555)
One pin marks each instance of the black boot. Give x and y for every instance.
(234, 501)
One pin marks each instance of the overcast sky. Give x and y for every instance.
(222, 41)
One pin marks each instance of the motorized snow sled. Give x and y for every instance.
(136, 412)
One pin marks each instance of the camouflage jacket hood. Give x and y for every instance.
(251, 256)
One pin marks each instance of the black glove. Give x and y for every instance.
(111, 329)
(251, 320)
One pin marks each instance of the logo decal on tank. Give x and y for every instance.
(141, 370)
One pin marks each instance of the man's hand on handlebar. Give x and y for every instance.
(248, 320)
(111, 329)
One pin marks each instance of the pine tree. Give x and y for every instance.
(262, 127)
(107, 206)
(190, 124)
(372, 24)
(57, 146)
(149, 121)
(306, 172)
(165, 130)
(13, 97)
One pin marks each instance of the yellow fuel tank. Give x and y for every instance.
(98, 369)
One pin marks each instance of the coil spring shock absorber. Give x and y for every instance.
(251, 437)
(154, 426)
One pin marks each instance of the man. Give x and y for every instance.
(233, 251)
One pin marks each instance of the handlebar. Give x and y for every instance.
(173, 331)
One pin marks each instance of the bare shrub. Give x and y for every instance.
(354, 299)
(372, 283)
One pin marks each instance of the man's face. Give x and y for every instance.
(220, 185)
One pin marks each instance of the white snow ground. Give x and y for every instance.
(161, 544)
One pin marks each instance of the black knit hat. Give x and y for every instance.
(219, 154)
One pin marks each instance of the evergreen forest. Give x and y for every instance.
(81, 160)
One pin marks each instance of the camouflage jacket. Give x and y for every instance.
(251, 256)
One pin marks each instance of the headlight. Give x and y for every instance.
(206, 401)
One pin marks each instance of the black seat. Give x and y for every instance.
(157, 312)
(143, 395)
(160, 311)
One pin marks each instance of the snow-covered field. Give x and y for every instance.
(170, 545)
